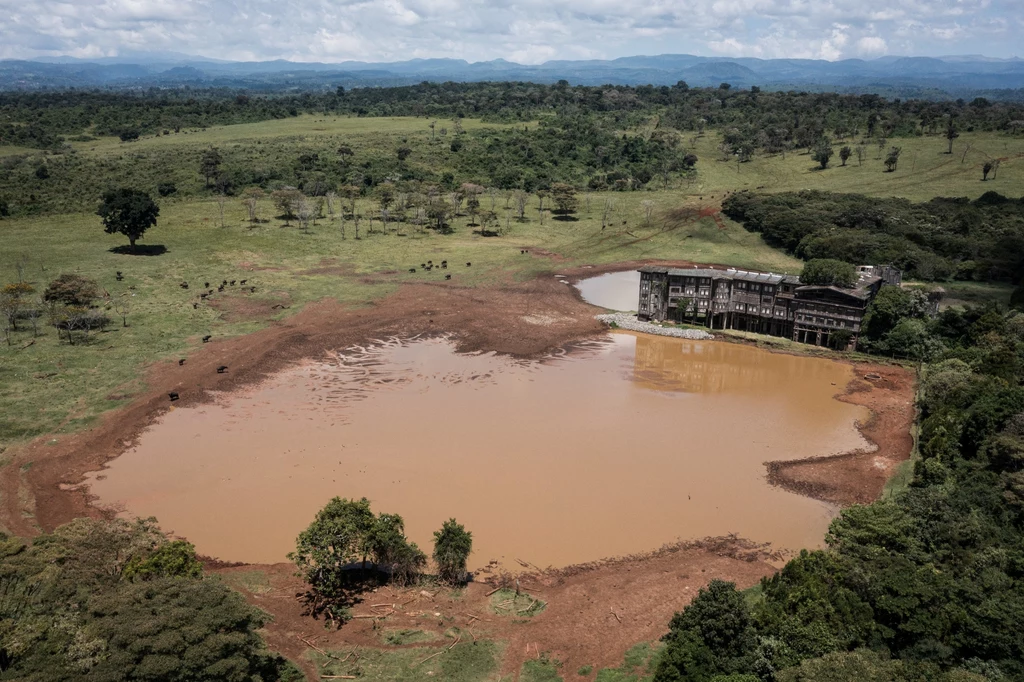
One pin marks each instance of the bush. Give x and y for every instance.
(166, 189)
(72, 290)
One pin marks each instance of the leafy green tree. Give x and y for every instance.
(452, 546)
(845, 153)
(823, 152)
(174, 559)
(391, 550)
(713, 635)
(889, 307)
(129, 212)
(14, 298)
(209, 164)
(951, 134)
(564, 196)
(828, 272)
(892, 159)
(336, 537)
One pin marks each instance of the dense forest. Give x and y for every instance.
(925, 585)
(766, 120)
(941, 239)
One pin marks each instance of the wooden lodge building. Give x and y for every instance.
(762, 302)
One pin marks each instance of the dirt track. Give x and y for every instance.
(579, 626)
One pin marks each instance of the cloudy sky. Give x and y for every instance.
(526, 31)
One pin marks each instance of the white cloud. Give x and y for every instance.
(871, 46)
(521, 30)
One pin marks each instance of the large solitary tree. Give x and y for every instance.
(129, 212)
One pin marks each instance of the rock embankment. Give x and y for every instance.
(630, 322)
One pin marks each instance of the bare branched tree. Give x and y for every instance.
(304, 211)
(521, 198)
(221, 200)
(647, 206)
(606, 214)
(250, 199)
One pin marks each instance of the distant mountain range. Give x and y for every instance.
(955, 76)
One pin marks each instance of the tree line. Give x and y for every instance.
(766, 119)
(936, 240)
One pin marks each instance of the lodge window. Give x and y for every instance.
(705, 291)
(674, 290)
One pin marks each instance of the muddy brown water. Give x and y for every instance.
(607, 449)
(612, 290)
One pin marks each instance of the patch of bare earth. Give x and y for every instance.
(859, 477)
(594, 613)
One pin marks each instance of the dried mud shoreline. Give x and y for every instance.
(581, 625)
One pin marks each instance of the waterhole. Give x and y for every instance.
(610, 448)
(614, 290)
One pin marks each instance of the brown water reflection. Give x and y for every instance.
(614, 448)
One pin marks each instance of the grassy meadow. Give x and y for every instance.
(48, 386)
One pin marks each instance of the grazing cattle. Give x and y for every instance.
(224, 283)
(412, 269)
(206, 285)
(181, 362)
(119, 276)
(184, 285)
(220, 288)
(203, 295)
(444, 266)
(222, 369)
(195, 306)
(243, 282)
(430, 262)
(252, 290)
(232, 282)
(207, 338)
(447, 276)
(173, 396)
(423, 265)
(468, 264)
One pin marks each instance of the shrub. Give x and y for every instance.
(72, 290)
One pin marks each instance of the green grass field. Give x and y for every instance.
(51, 387)
(925, 170)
